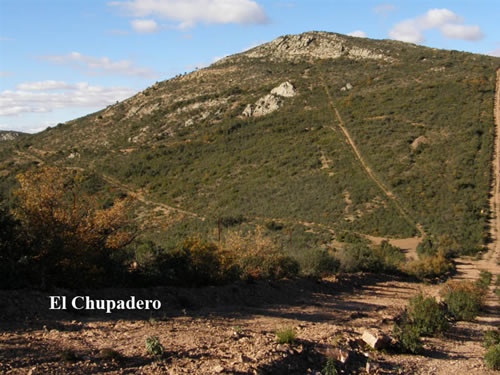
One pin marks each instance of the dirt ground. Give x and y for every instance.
(231, 330)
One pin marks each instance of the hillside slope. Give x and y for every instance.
(227, 143)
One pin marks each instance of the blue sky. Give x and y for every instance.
(61, 59)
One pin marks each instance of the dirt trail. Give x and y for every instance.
(140, 197)
(133, 193)
(469, 269)
(410, 244)
(493, 255)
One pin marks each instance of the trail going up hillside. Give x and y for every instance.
(469, 268)
(368, 170)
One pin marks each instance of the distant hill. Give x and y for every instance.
(319, 136)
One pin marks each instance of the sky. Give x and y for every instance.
(62, 59)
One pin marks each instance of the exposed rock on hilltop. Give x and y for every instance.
(320, 45)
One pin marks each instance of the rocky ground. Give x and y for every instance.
(231, 330)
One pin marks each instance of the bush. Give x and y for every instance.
(258, 257)
(285, 335)
(384, 258)
(329, 368)
(491, 338)
(196, 263)
(492, 357)
(317, 263)
(70, 240)
(407, 336)
(426, 248)
(391, 257)
(427, 316)
(153, 346)
(430, 267)
(357, 258)
(484, 280)
(463, 299)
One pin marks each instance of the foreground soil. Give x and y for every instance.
(230, 330)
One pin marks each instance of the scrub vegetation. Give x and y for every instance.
(194, 193)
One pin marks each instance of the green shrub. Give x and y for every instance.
(384, 258)
(317, 263)
(492, 357)
(196, 263)
(430, 267)
(463, 299)
(427, 316)
(153, 346)
(329, 368)
(285, 335)
(357, 258)
(484, 280)
(491, 338)
(391, 257)
(407, 336)
(426, 248)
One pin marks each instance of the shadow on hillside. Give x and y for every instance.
(299, 299)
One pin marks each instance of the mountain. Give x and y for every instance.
(322, 135)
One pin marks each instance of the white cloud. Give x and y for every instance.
(39, 97)
(189, 13)
(43, 85)
(463, 32)
(448, 23)
(100, 65)
(144, 26)
(407, 31)
(358, 33)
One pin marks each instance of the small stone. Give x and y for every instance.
(218, 369)
(375, 339)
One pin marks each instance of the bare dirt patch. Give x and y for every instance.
(229, 330)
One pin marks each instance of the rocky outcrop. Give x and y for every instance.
(271, 102)
(321, 45)
(7, 135)
(286, 90)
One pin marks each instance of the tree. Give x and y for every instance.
(70, 240)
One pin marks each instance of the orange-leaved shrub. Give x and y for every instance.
(70, 239)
